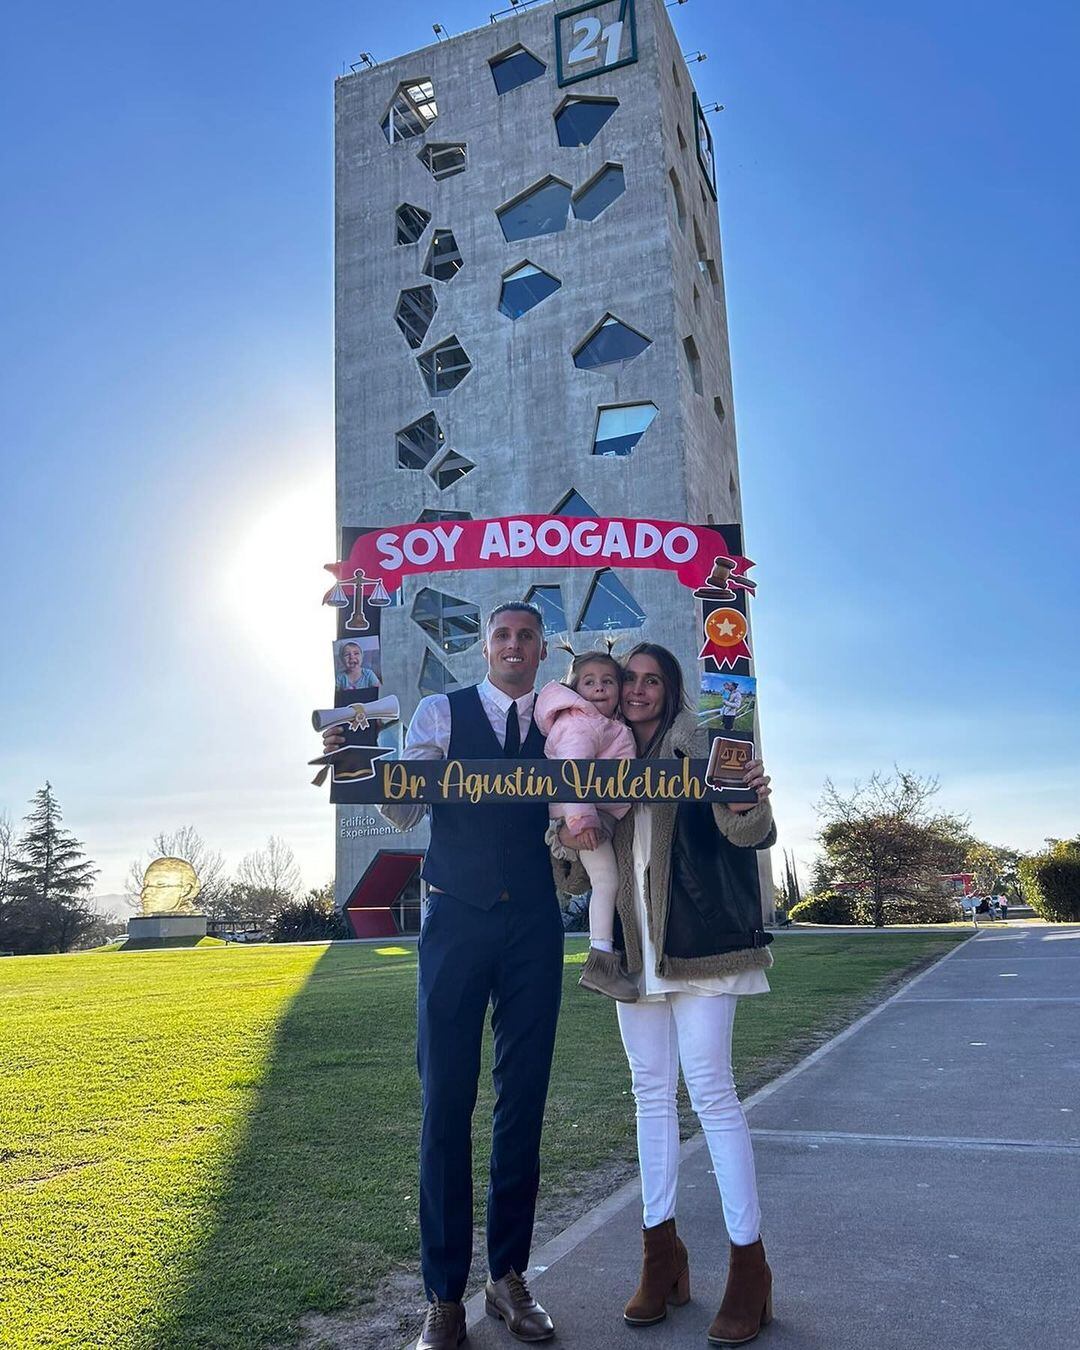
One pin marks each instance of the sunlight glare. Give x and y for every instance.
(273, 583)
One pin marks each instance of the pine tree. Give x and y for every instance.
(50, 881)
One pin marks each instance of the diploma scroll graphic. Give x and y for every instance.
(386, 709)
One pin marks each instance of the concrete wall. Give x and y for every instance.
(525, 414)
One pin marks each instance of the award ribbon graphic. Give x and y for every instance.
(725, 638)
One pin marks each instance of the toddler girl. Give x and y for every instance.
(580, 720)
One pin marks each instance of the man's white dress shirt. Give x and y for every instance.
(429, 736)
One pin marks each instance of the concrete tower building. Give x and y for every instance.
(530, 319)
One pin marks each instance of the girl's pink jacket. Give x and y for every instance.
(575, 730)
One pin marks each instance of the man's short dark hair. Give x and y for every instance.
(516, 607)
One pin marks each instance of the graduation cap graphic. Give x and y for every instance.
(350, 763)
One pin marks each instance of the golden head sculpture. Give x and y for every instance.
(170, 886)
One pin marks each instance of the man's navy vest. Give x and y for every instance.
(488, 852)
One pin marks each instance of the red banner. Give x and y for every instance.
(396, 551)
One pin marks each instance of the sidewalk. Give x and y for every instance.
(920, 1179)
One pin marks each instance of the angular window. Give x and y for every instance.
(574, 504)
(419, 443)
(693, 362)
(612, 344)
(697, 301)
(706, 266)
(428, 515)
(609, 605)
(434, 676)
(597, 195)
(618, 430)
(444, 367)
(680, 200)
(443, 161)
(443, 259)
(580, 120)
(515, 68)
(412, 221)
(412, 110)
(542, 210)
(452, 624)
(524, 288)
(732, 488)
(415, 311)
(450, 470)
(682, 138)
(549, 601)
(719, 409)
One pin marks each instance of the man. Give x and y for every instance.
(493, 935)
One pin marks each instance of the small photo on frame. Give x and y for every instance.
(357, 663)
(727, 702)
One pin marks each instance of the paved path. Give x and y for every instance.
(920, 1179)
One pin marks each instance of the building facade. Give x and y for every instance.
(530, 319)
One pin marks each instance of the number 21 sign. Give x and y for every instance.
(593, 38)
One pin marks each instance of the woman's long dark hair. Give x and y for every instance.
(674, 691)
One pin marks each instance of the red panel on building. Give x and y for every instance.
(368, 909)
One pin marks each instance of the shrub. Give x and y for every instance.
(308, 921)
(1051, 883)
(930, 906)
(825, 907)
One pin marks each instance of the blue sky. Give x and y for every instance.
(899, 209)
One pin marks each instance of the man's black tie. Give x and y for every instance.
(512, 740)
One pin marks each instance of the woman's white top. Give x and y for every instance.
(655, 987)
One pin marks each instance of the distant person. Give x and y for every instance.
(354, 674)
(732, 704)
(1003, 906)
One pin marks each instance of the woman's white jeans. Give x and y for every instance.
(696, 1030)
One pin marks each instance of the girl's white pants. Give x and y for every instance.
(694, 1029)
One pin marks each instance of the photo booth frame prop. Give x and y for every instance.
(707, 560)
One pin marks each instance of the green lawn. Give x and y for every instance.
(198, 1146)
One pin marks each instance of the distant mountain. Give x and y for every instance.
(111, 906)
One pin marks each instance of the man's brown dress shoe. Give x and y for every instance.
(444, 1327)
(510, 1299)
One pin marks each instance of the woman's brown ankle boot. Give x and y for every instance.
(665, 1276)
(747, 1305)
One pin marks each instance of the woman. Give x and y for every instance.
(690, 914)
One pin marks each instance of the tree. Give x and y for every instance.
(994, 870)
(883, 842)
(7, 906)
(790, 893)
(266, 881)
(1051, 881)
(49, 880)
(187, 843)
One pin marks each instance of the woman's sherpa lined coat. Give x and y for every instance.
(702, 893)
(575, 730)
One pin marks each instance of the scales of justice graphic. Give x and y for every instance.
(338, 598)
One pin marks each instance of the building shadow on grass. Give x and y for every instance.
(323, 1171)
